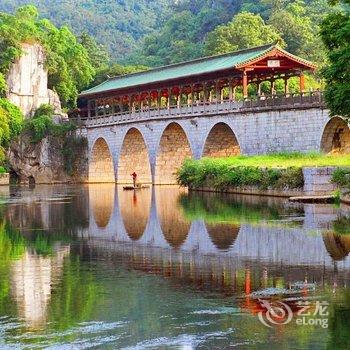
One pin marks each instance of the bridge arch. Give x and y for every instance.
(174, 147)
(336, 136)
(134, 157)
(101, 168)
(101, 199)
(221, 141)
(338, 246)
(223, 235)
(135, 208)
(175, 228)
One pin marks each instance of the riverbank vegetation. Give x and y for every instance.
(274, 171)
(341, 177)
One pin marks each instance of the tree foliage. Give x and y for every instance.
(336, 37)
(159, 32)
(118, 24)
(245, 30)
(11, 121)
(43, 125)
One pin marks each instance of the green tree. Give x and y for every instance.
(245, 30)
(99, 56)
(335, 33)
(3, 86)
(11, 121)
(299, 30)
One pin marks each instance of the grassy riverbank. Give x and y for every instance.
(278, 171)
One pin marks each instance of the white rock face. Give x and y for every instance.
(27, 82)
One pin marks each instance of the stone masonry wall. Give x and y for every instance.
(174, 149)
(101, 164)
(170, 140)
(221, 142)
(317, 181)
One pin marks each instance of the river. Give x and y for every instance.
(96, 267)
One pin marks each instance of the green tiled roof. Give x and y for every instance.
(181, 70)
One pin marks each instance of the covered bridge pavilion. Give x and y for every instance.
(201, 82)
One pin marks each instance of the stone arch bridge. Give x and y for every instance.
(155, 145)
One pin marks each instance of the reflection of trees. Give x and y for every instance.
(12, 247)
(341, 225)
(338, 246)
(75, 296)
(223, 235)
(43, 284)
(174, 227)
(64, 210)
(214, 208)
(135, 210)
(339, 324)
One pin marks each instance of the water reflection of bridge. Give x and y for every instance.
(264, 231)
(231, 244)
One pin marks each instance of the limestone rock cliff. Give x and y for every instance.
(43, 162)
(27, 82)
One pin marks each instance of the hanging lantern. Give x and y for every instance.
(175, 91)
(197, 88)
(154, 94)
(125, 99)
(165, 93)
(144, 96)
(186, 90)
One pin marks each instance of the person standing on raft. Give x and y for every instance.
(134, 178)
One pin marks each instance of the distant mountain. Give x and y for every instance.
(158, 32)
(120, 25)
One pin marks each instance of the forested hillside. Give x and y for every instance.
(156, 32)
(118, 24)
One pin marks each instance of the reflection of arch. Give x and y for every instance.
(101, 199)
(134, 158)
(135, 207)
(174, 148)
(221, 142)
(223, 235)
(336, 136)
(101, 163)
(338, 246)
(174, 227)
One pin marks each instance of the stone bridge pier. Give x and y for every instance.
(156, 148)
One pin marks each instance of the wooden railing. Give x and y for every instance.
(310, 99)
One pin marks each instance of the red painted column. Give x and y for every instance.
(302, 82)
(245, 84)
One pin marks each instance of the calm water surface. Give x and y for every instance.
(95, 267)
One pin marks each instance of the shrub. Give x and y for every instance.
(44, 109)
(42, 125)
(2, 170)
(219, 174)
(14, 117)
(3, 86)
(341, 177)
(11, 123)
